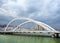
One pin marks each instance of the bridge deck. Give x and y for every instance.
(31, 31)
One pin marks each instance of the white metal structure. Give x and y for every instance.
(45, 26)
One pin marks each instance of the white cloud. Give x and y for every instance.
(40, 5)
(46, 10)
(7, 12)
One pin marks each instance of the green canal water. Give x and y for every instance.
(27, 39)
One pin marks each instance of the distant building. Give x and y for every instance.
(37, 27)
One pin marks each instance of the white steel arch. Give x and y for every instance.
(25, 23)
(20, 25)
(45, 26)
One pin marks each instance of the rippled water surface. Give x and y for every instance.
(27, 39)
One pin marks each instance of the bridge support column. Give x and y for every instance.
(56, 35)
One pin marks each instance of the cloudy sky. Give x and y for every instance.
(47, 11)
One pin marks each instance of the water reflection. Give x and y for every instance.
(27, 39)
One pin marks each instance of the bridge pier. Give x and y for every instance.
(55, 35)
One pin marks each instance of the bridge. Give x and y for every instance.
(42, 28)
